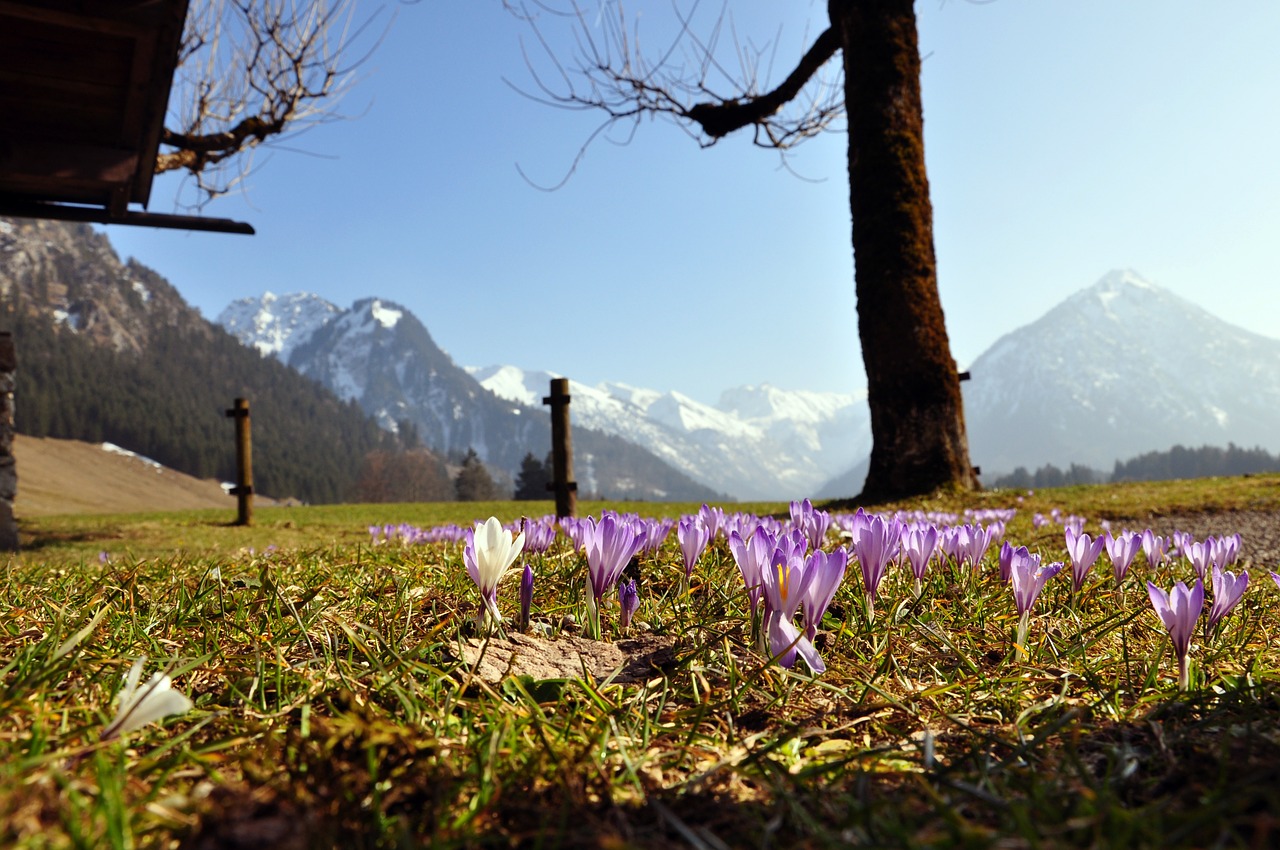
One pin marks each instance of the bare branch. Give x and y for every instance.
(252, 72)
(610, 73)
(720, 119)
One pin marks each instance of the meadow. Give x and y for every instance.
(343, 695)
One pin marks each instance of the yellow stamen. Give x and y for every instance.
(783, 577)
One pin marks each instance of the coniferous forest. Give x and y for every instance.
(108, 351)
(169, 404)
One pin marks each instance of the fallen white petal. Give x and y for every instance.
(140, 706)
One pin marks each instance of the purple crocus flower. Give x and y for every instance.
(629, 601)
(526, 596)
(786, 584)
(1028, 577)
(874, 545)
(712, 518)
(1179, 609)
(794, 543)
(1008, 552)
(851, 525)
(539, 534)
(972, 542)
(1228, 590)
(753, 557)
(1083, 551)
(609, 544)
(574, 528)
(811, 521)
(1276, 578)
(824, 572)
(656, 532)
(1225, 550)
(1122, 550)
(1154, 547)
(1200, 555)
(693, 537)
(919, 544)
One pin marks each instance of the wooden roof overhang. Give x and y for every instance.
(84, 87)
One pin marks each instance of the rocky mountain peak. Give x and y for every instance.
(276, 324)
(71, 272)
(1120, 368)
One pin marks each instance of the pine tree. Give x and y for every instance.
(474, 483)
(532, 480)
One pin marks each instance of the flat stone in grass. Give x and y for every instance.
(568, 657)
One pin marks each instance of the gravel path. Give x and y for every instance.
(1259, 531)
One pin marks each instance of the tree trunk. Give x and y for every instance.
(917, 416)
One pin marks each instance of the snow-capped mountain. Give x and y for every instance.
(1118, 369)
(276, 324)
(758, 442)
(378, 354)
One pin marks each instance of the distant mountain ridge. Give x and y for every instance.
(1117, 370)
(759, 442)
(379, 355)
(1120, 368)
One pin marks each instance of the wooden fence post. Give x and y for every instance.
(566, 489)
(243, 491)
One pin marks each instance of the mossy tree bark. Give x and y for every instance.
(917, 415)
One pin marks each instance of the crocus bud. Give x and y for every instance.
(629, 599)
(526, 596)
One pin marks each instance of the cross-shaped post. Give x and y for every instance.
(243, 491)
(562, 483)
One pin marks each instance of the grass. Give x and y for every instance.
(331, 707)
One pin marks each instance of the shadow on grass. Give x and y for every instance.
(1197, 771)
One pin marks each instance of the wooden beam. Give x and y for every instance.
(21, 208)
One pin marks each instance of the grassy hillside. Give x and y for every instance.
(72, 477)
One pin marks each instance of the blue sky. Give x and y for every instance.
(1064, 138)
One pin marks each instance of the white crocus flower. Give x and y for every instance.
(489, 551)
(142, 705)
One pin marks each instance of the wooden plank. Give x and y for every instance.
(43, 51)
(68, 162)
(111, 18)
(94, 123)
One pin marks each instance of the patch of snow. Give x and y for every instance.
(71, 320)
(140, 288)
(114, 449)
(385, 316)
(275, 325)
(512, 383)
